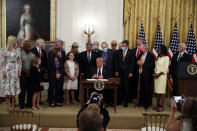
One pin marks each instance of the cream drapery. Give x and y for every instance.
(151, 12)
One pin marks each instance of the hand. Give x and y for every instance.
(58, 76)
(4, 75)
(140, 62)
(155, 76)
(94, 76)
(130, 75)
(74, 78)
(173, 106)
(100, 77)
(116, 73)
(19, 74)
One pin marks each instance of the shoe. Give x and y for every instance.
(58, 104)
(160, 109)
(52, 105)
(22, 106)
(74, 102)
(34, 108)
(39, 107)
(28, 105)
(125, 105)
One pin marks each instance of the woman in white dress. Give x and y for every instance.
(25, 31)
(160, 81)
(71, 83)
(10, 63)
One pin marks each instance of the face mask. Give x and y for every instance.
(42, 45)
(95, 47)
(123, 48)
(105, 50)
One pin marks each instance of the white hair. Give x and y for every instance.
(183, 45)
(26, 6)
(39, 40)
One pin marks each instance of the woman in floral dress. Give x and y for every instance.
(10, 64)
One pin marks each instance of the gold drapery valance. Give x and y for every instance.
(149, 12)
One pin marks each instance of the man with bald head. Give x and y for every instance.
(26, 56)
(181, 56)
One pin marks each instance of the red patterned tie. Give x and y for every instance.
(40, 54)
(138, 52)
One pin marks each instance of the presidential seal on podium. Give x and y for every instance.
(192, 69)
(99, 85)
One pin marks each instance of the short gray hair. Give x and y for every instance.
(183, 45)
(59, 42)
(19, 40)
(38, 41)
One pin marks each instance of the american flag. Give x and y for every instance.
(142, 34)
(158, 41)
(174, 43)
(173, 49)
(191, 44)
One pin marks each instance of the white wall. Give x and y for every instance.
(105, 15)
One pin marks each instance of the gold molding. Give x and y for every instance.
(52, 22)
(3, 26)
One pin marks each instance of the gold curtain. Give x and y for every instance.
(165, 12)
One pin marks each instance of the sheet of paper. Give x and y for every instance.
(97, 79)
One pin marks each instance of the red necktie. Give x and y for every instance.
(138, 53)
(40, 54)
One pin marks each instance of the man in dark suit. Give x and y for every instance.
(124, 69)
(87, 61)
(181, 56)
(100, 71)
(146, 65)
(108, 63)
(40, 52)
(107, 55)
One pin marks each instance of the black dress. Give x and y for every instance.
(36, 79)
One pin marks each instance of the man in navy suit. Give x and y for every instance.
(124, 66)
(146, 65)
(100, 72)
(40, 52)
(181, 56)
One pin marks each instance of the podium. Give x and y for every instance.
(187, 79)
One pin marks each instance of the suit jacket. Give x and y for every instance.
(52, 68)
(105, 72)
(127, 66)
(85, 66)
(43, 58)
(109, 62)
(174, 64)
(147, 67)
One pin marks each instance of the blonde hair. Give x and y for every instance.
(11, 42)
(99, 60)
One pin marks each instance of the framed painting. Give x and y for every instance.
(28, 19)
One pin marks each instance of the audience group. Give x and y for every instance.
(25, 69)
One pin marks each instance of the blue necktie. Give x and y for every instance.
(89, 57)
